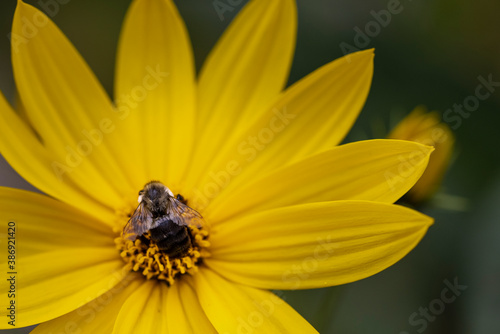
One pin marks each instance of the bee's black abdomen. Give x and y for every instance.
(171, 238)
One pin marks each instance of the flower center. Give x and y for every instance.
(164, 238)
(143, 255)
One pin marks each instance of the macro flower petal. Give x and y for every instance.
(315, 245)
(155, 308)
(373, 170)
(311, 116)
(244, 73)
(63, 257)
(20, 146)
(426, 128)
(144, 311)
(67, 107)
(97, 316)
(53, 283)
(43, 224)
(185, 311)
(156, 91)
(235, 308)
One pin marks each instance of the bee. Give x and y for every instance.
(166, 217)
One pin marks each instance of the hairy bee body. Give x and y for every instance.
(171, 238)
(165, 217)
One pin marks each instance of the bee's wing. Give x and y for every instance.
(140, 222)
(183, 215)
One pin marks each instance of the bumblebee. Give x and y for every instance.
(166, 217)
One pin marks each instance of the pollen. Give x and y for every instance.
(143, 255)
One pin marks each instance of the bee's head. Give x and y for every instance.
(141, 195)
(154, 191)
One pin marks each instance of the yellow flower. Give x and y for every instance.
(426, 128)
(286, 207)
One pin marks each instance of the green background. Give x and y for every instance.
(430, 53)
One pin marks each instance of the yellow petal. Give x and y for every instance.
(185, 312)
(247, 69)
(22, 149)
(426, 128)
(97, 316)
(312, 115)
(44, 224)
(144, 311)
(375, 170)
(315, 245)
(67, 106)
(155, 90)
(156, 308)
(234, 308)
(54, 283)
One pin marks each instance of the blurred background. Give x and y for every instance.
(431, 52)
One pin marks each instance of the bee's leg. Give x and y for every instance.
(181, 199)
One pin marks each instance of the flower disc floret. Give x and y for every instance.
(143, 255)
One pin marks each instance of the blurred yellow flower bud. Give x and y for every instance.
(426, 128)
